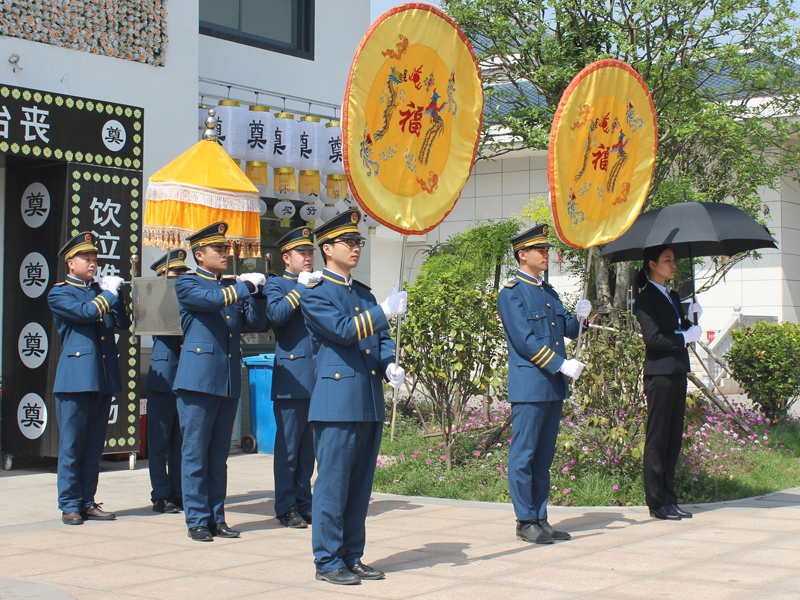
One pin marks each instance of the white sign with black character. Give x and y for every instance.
(35, 205)
(32, 416)
(34, 275)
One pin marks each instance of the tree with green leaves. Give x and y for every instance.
(454, 346)
(723, 77)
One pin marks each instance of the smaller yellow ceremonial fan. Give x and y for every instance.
(411, 117)
(200, 187)
(602, 152)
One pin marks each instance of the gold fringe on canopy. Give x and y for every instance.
(284, 180)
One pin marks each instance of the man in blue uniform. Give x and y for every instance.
(535, 323)
(86, 314)
(164, 437)
(208, 382)
(292, 380)
(353, 352)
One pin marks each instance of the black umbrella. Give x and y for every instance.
(691, 229)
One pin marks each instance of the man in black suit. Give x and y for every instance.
(666, 333)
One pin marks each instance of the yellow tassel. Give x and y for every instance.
(372, 230)
(257, 172)
(284, 180)
(309, 182)
(336, 187)
(285, 222)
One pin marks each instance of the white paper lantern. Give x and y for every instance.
(262, 207)
(232, 128)
(258, 127)
(309, 213)
(281, 155)
(372, 224)
(333, 166)
(308, 153)
(328, 212)
(284, 210)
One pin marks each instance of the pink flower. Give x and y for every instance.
(615, 488)
(566, 491)
(429, 461)
(442, 457)
(476, 453)
(565, 469)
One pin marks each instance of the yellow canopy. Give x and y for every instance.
(200, 187)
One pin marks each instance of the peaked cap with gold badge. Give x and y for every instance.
(213, 235)
(83, 242)
(176, 262)
(343, 226)
(535, 237)
(297, 239)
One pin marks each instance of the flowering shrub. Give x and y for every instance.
(718, 461)
(764, 360)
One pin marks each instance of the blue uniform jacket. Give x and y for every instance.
(213, 314)
(535, 323)
(352, 349)
(164, 363)
(86, 318)
(293, 373)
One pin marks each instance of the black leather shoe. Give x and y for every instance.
(365, 571)
(178, 502)
(293, 520)
(163, 505)
(222, 530)
(200, 534)
(665, 513)
(306, 517)
(95, 513)
(683, 514)
(558, 536)
(530, 531)
(341, 576)
(71, 518)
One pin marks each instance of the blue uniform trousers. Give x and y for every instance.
(346, 455)
(533, 446)
(293, 460)
(164, 442)
(206, 424)
(82, 421)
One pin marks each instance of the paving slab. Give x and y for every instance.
(430, 548)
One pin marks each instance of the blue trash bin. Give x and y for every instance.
(262, 417)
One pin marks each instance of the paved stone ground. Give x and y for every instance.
(431, 549)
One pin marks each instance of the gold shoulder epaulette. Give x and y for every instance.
(60, 283)
(511, 284)
(315, 283)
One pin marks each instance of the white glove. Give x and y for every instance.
(692, 334)
(111, 283)
(694, 308)
(396, 303)
(583, 309)
(256, 279)
(395, 374)
(572, 368)
(305, 277)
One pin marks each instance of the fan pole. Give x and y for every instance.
(397, 335)
(587, 275)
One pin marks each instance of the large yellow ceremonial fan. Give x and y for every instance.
(411, 117)
(200, 187)
(602, 152)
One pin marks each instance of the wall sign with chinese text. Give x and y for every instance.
(106, 202)
(42, 124)
(32, 416)
(72, 164)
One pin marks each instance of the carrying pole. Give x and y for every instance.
(587, 277)
(397, 335)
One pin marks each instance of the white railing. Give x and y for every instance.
(723, 341)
